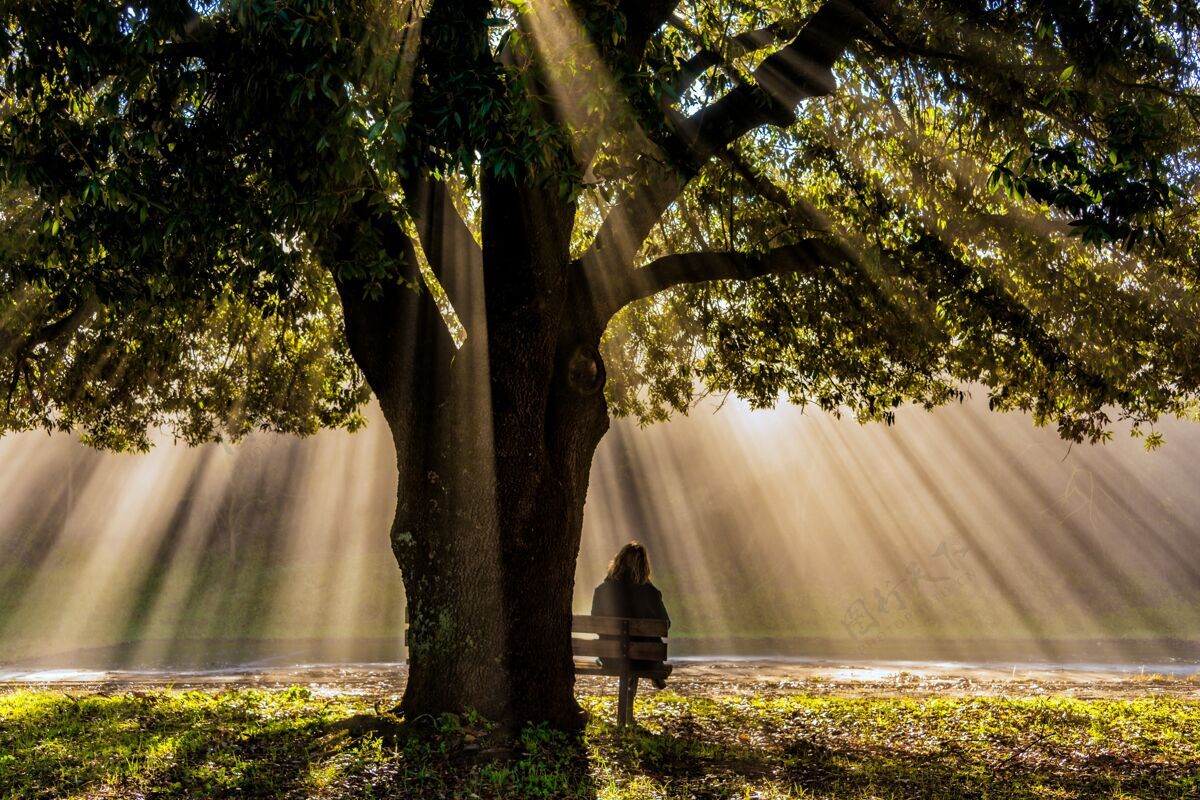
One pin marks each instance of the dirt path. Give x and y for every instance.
(763, 677)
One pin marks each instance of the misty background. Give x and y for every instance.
(958, 533)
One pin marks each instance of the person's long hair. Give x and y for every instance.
(630, 564)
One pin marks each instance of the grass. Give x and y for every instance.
(259, 744)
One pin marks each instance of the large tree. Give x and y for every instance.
(513, 219)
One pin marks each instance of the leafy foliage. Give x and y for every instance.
(1022, 196)
(144, 181)
(1015, 187)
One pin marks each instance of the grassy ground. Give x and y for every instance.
(257, 744)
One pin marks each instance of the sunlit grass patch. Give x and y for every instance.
(250, 742)
(941, 747)
(289, 744)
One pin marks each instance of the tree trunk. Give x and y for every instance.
(494, 446)
(487, 536)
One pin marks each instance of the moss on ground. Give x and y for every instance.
(292, 743)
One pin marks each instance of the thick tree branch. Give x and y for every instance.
(195, 36)
(813, 256)
(808, 255)
(73, 320)
(737, 46)
(20, 348)
(454, 256)
(67, 325)
(642, 19)
(395, 331)
(801, 69)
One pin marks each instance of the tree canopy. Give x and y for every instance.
(849, 203)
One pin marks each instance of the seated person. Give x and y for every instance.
(628, 592)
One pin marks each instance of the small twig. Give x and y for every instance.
(1004, 764)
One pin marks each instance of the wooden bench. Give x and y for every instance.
(619, 653)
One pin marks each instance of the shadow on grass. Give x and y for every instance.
(680, 762)
(289, 744)
(251, 744)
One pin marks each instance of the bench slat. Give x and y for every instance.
(609, 648)
(583, 623)
(588, 668)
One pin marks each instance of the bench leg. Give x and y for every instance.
(622, 699)
(627, 691)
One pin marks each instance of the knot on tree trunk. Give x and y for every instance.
(585, 370)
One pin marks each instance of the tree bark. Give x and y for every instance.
(494, 446)
(487, 533)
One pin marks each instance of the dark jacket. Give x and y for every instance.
(628, 599)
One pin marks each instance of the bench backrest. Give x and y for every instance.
(623, 629)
